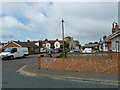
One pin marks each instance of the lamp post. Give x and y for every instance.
(63, 38)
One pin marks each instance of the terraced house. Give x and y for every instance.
(39, 46)
(32, 47)
(57, 43)
(111, 42)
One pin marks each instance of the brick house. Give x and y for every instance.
(57, 43)
(112, 42)
(32, 47)
(40, 46)
(46, 44)
(0, 47)
(71, 43)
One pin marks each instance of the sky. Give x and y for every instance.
(84, 21)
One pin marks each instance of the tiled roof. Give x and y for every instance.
(49, 41)
(27, 44)
(111, 36)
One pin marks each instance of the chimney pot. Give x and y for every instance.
(116, 27)
(104, 37)
(56, 39)
(112, 25)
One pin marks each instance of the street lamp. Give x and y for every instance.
(63, 38)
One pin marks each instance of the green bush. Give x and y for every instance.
(61, 56)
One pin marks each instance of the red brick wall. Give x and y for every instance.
(82, 65)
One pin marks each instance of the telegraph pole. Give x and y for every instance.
(63, 38)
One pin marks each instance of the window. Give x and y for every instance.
(8, 50)
(14, 50)
(31, 49)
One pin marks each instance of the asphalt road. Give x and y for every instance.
(11, 79)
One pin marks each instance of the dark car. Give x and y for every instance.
(67, 50)
(53, 54)
(58, 50)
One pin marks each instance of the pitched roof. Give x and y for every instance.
(111, 36)
(27, 44)
(49, 41)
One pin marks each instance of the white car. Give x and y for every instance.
(87, 50)
(14, 52)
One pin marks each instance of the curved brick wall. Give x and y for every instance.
(82, 65)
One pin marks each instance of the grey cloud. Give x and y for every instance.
(119, 12)
(83, 21)
(7, 35)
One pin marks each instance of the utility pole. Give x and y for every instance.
(63, 38)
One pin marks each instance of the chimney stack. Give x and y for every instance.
(56, 39)
(113, 25)
(113, 28)
(104, 37)
(28, 40)
(116, 27)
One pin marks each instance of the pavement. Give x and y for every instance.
(32, 70)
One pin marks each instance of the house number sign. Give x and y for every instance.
(48, 60)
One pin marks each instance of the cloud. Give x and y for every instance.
(83, 20)
(11, 23)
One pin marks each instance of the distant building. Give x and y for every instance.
(32, 48)
(57, 43)
(41, 46)
(71, 43)
(112, 42)
(47, 44)
(93, 46)
(0, 45)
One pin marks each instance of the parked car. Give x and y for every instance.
(67, 50)
(58, 50)
(53, 54)
(75, 51)
(87, 50)
(14, 52)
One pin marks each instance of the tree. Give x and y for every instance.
(96, 42)
(93, 43)
(90, 43)
(66, 45)
(52, 46)
(79, 45)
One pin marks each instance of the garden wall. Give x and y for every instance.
(82, 65)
